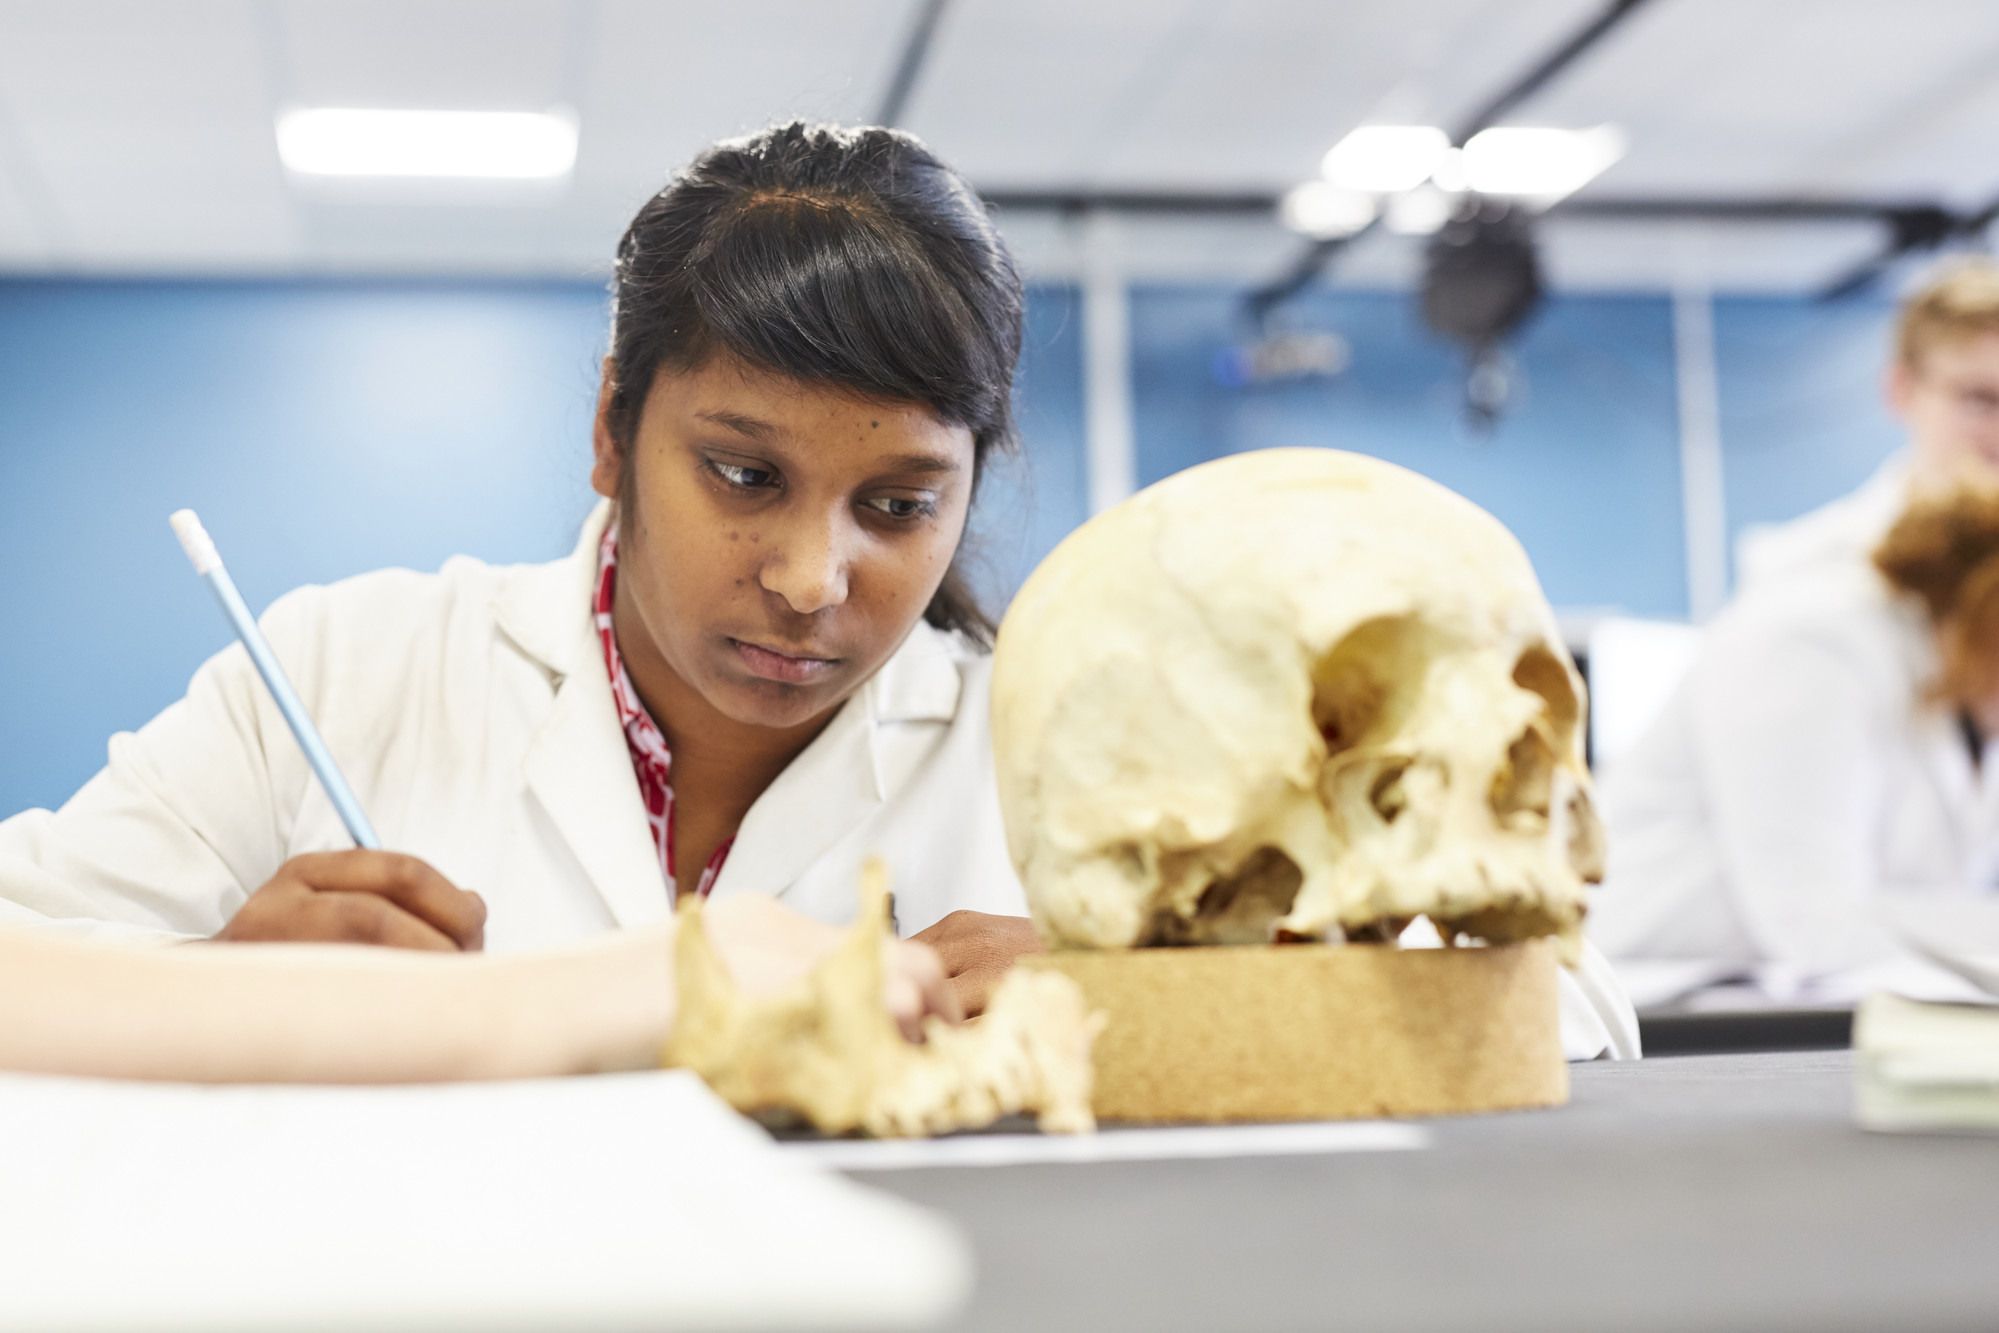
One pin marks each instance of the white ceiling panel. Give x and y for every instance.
(664, 80)
(1007, 105)
(25, 236)
(473, 55)
(148, 128)
(136, 135)
(1775, 96)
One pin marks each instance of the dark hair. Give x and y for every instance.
(1945, 551)
(845, 257)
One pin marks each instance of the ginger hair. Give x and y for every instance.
(1944, 551)
(1959, 303)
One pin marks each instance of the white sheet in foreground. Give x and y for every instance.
(1115, 1145)
(634, 1201)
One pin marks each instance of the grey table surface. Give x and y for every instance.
(1710, 1192)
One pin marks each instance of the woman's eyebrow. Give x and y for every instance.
(742, 425)
(928, 463)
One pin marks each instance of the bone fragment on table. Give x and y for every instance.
(828, 1051)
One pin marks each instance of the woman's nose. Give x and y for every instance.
(807, 567)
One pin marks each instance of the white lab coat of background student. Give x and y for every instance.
(472, 713)
(1800, 775)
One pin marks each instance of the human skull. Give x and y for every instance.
(1292, 694)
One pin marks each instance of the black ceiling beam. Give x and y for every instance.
(1304, 270)
(1733, 209)
(909, 67)
(1251, 203)
(1539, 77)
(1912, 230)
(1318, 254)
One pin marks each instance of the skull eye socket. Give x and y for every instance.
(1370, 682)
(1540, 672)
(1523, 789)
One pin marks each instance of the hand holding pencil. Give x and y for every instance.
(361, 897)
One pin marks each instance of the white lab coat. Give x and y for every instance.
(1798, 774)
(471, 712)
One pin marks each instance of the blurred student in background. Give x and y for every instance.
(1830, 744)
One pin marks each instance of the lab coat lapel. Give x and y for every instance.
(1965, 793)
(821, 796)
(577, 765)
(580, 770)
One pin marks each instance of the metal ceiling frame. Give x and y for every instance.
(1913, 226)
(909, 66)
(1318, 254)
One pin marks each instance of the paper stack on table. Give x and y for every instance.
(1924, 1065)
(633, 1201)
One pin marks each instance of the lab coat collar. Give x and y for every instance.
(578, 766)
(1882, 498)
(580, 769)
(837, 782)
(546, 609)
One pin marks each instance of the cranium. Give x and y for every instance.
(1292, 694)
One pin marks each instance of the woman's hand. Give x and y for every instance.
(977, 948)
(361, 897)
(767, 947)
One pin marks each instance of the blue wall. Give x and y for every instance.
(327, 428)
(1584, 469)
(1802, 416)
(320, 430)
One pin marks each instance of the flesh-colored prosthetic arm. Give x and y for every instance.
(347, 1014)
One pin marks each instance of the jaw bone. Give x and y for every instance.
(826, 1050)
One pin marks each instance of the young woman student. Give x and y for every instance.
(760, 665)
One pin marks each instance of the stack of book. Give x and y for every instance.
(1923, 1065)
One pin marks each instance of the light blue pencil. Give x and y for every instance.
(200, 548)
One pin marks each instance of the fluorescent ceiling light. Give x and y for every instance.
(1419, 212)
(512, 145)
(1450, 172)
(1536, 163)
(1386, 159)
(1325, 211)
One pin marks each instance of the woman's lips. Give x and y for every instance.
(769, 664)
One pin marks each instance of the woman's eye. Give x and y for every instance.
(896, 506)
(749, 478)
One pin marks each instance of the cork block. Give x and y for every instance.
(1309, 1032)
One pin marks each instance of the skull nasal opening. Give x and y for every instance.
(1238, 908)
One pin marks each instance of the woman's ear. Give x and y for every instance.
(607, 467)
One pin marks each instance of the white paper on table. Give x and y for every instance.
(1115, 1145)
(620, 1202)
(1957, 933)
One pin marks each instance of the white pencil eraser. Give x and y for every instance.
(194, 539)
